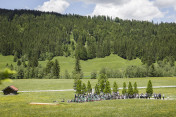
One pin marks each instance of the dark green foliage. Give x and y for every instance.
(84, 89)
(93, 75)
(107, 88)
(135, 90)
(77, 66)
(149, 89)
(124, 90)
(56, 69)
(19, 62)
(130, 89)
(102, 85)
(24, 64)
(97, 90)
(89, 87)
(20, 74)
(15, 58)
(115, 87)
(45, 35)
(79, 87)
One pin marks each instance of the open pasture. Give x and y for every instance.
(18, 106)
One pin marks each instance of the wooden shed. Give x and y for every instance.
(10, 90)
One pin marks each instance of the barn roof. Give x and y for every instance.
(12, 87)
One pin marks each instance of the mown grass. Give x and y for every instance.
(53, 84)
(67, 63)
(18, 106)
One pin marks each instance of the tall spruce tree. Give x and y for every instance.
(89, 87)
(79, 87)
(135, 88)
(56, 69)
(130, 89)
(97, 90)
(102, 85)
(107, 88)
(84, 89)
(149, 89)
(115, 87)
(124, 90)
(77, 66)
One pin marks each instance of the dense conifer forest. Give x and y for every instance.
(37, 36)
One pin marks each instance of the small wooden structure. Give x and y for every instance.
(10, 90)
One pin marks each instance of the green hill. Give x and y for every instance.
(67, 63)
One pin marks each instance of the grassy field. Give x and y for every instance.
(18, 106)
(67, 63)
(53, 84)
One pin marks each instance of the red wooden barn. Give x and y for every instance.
(10, 90)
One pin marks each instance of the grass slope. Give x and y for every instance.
(67, 63)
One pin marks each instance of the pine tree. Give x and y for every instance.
(124, 88)
(79, 87)
(49, 66)
(84, 89)
(130, 89)
(115, 87)
(18, 62)
(107, 88)
(56, 69)
(102, 85)
(89, 87)
(149, 89)
(77, 66)
(135, 88)
(15, 57)
(97, 90)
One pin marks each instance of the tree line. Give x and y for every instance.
(37, 36)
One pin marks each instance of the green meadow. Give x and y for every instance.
(68, 63)
(18, 105)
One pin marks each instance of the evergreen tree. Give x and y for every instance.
(130, 89)
(107, 88)
(89, 87)
(24, 64)
(84, 89)
(97, 90)
(135, 88)
(15, 57)
(11, 67)
(77, 66)
(124, 90)
(102, 85)
(18, 62)
(115, 87)
(79, 87)
(20, 74)
(49, 66)
(56, 69)
(149, 89)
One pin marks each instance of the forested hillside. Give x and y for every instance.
(37, 35)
